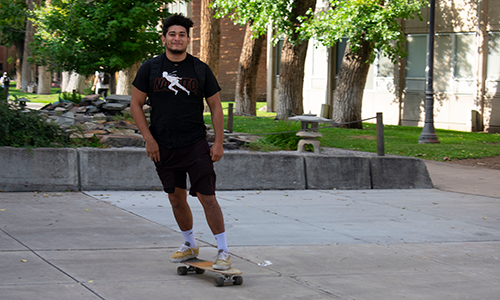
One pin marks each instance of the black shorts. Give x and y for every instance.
(194, 160)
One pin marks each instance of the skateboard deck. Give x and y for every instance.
(199, 266)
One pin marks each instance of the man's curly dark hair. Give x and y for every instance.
(177, 19)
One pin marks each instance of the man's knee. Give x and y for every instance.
(178, 197)
(207, 200)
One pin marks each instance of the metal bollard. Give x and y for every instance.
(230, 118)
(380, 135)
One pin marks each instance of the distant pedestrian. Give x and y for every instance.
(101, 83)
(5, 80)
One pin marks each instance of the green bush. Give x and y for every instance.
(285, 139)
(20, 128)
(73, 97)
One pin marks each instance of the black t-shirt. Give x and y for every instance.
(176, 100)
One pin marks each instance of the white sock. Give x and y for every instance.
(189, 237)
(221, 241)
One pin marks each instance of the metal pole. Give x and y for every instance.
(380, 135)
(230, 118)
(428, 134)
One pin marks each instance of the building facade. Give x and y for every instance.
(466, 71)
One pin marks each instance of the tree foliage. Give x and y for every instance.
(371, 27)
(83, 36)
(12, 21)
(281, 16)
(262, 14)
(374, 21)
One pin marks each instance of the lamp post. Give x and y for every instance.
(428, 134)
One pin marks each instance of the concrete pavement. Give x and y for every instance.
(440, 243)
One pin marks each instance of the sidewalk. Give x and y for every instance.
(440, 243)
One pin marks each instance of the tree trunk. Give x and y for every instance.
(72, 81)
(125, 78)
(44, 80)
(19, 63)
(348, 96)
(209, 37)
(112, 83)
(293, 57)
(246, 80)
(26, 66)
(44, 75)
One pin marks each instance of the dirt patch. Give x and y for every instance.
(487, 162)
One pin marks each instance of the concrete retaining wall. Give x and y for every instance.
(51, 170)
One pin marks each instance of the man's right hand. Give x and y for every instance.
(153, 150)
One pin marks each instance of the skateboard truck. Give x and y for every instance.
(199, 266)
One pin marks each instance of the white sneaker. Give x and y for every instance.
(222, 260)
(184, 253)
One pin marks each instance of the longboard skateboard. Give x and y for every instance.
(199, 266)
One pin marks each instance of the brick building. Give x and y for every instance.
(5, 66)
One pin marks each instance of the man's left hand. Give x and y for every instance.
(216, 152)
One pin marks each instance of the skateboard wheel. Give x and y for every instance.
(218, 281)
(199, 271)
(182, 270)
(237, 280)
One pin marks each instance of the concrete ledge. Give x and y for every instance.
(40, 169)
(51, 170)
(117, 169)
(338, 172)
(399, 173)
(260, 171)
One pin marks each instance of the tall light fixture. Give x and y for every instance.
(428, 134)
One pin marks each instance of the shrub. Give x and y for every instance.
(73, 97)
(20, 128)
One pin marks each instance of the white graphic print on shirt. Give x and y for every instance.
(174, 82)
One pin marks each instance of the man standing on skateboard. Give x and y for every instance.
(176, 138)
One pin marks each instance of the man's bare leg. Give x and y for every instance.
(215, 220)
(182, 213)
(181, 209)
(213, 213)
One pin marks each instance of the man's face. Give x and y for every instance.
(176, 39)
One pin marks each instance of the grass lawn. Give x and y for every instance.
(399, 140)
(53, 97)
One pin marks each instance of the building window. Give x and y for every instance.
(385, 67)
(178, 7)
(493, 56)
(454, 62)
(416, 61)
(340, 49)
(465, 56)
(278, 48)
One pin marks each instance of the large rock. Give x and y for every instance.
(120, 141)
(114, 106)
(66, 120)
(119, 99)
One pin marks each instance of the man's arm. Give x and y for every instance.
(95, 83)
(217, 150)
(136, 104)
